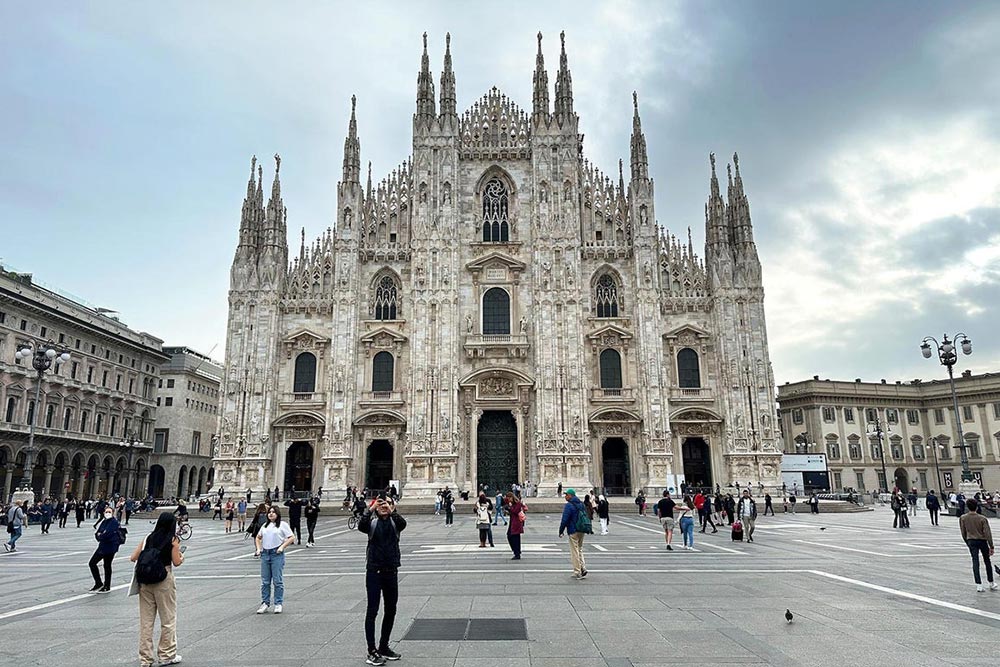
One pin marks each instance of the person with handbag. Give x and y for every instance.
(153, 581)
(516, 509)
(484, 519)
(108, 538)
(16, 523)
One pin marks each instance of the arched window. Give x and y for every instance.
(382, 372)
(688, 369)
(496, 228)
(611, 369)
(606, 296)
(11, 405)
(386, 299)
(305, 373)
(496, 311)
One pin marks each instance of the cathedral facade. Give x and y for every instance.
(496, 309)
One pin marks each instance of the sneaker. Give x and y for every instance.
(669, 548)
(262, 608)
(96, 588)
(104, 589)
(176, 660)
(993, 586)
(979, 588)
(584, 575)
(374, 658)
(277, 609)
(6, 547)
(389, 654)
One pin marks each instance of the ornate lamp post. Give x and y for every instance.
(130, 441)
(947, 355)
(874, 428)
(42, 356)
(934, 449)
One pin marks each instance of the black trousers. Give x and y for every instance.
(62, 520)
(380, 585)
(977, 547)
(46, 523)
(934, 517)
(706, 520)
(449, 517)
(311, 527)
(94, 560)
(79, 519)
(296, 527)
(768, 507)
(515, 543)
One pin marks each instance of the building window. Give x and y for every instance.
(196, 443)
(84, 419)
(923, 479)
(11, 406)
(938, 416)
(118, 383)
(896, 446)
(90, 374)
(30, 417)
(797, 416)
(871, 415)
(386, 299)
(131, 385)
(496, 312)
(114, 426)
(170, 384)
(160, 438)
(832, 448)
(860, 480)
(836, 481)
(688, 369)
(611, 369)
(50, 414)
(944, 446)
(24, 325)
(67, 417)
(912, 417)
(305, 373)
(98, 424)
(495, 202)
(967, 413)
(72, 369)
(876, 455)
(104, 379)
(168, 401)
(382, 372)
(892, 416)
(854, 447)
(828, 414)
(606, 296)
(918, 451)
(849, 415)
(972, 443)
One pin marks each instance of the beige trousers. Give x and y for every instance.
(576, 553)
(159, 599)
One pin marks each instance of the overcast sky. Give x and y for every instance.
(868, 134)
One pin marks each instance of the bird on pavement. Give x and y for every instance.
(788, 615)
(822, 527)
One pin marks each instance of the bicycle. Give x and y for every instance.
(352, 522)
(184, 531)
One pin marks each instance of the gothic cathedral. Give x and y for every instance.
(497, 309)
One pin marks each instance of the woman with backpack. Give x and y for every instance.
(484, 519)
(259, 517)
(272, 540)
(154, 558)
(515, 528)
(109, 538)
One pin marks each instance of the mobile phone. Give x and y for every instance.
(183, 548)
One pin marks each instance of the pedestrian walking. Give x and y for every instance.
(449, 507)
(241, 514)
(814, 503)
(81, 509)
(108, 540)
(46, 511)
(272, 540)
(665, 512)
(768, 507)
(640, 501)
(499, 510)
(686, 521)
(933, 506)
(791, 502)
(230, 515)
(747, 513)
(589, 506)
(975, 529)
(258, 520)
(63, 510)
(381, 575)
(295, 517)
(730, 504)
(17, 521)
(483, 510)
(517, 509)
(575, 524)
(911, 499)
(603, 513)
(312, 515)
(154, 558)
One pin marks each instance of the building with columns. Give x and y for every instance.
(497, 309)
(836, 417)
(94, 420)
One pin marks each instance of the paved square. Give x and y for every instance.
(862, 594)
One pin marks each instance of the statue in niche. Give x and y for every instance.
(338, 380)
(445, 423)
(524, 325)
(446, 194)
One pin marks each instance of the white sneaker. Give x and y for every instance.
(979, 588)
(176, 660)
(262, 608)
(994, 586)
(277, 609)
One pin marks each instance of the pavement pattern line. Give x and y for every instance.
(55, 603)
(706, 544)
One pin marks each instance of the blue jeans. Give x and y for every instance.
(687, 528)
(14, 536)
(272, 566)
(499, 516)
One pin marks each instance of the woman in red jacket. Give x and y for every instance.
(515, 528)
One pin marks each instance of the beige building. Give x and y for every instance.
(835, 417)
(497, 309)
(186, 424)
(94, 420)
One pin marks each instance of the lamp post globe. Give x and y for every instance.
(947, 356)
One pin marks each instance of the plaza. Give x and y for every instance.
(861, 592)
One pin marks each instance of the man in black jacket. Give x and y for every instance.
(382, 579)
(295, 517)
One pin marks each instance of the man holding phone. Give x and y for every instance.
(383, 524)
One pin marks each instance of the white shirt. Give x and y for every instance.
(272, 536)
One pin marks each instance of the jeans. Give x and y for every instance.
(311, 527)
(380, 585)
(687, 529)
(272, 567)
(15, 536)
(499, 517)
(977, 547)
(515, 543)
(94, 560)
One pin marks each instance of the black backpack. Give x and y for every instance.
(149, 568)
(122, 534)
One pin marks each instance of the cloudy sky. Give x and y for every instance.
(869, 137)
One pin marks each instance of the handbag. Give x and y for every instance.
(521, 516)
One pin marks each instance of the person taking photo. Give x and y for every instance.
(383, 527)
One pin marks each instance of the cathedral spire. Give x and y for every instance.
(640, 160)
(251, 186)
(540, 86)
(621, 176)
(447, 81)
(368, 190)
(716, 232)
(742, 226)
(425, 86)
(352, 148)
(564, 84)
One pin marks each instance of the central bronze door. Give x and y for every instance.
(496, 451)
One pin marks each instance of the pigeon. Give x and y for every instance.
(788, 615)
(822, 527)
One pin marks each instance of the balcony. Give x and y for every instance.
(693, 395)
(381, 398)
(299, 399)
(620, 395)
(496, 345)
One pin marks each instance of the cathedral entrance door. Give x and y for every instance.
(379, 465)
(614, 454)
(299, 468)
(496, 450)
(697, 465)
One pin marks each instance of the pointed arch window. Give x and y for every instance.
(496, 312)
(386, 304)
(496, 226)
(688, 369)
(611, 369)
(606, 296)
(382, 372)
(305, 373)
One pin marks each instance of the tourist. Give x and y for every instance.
(603, 513)
(311, 512)
(381, 574)
(898, 505)
(665, 512)
(108, 540)
(16, 523)
(46, 514)
(719, 506)
(747, 513)
(230, 515)
(791, 501)
(589, 506)
(272, 540)
(814, 503)
(449, 506)
(705, 512)
(784, 500)
(911, 499)
(499, 509)
(437, 503)
(559, 489)
(640, 501)
(295, 516)
(686, 522)
(975, 529)
(257, 522)
(483, 510)
(62, 510)
(933, 506)
(80, 510)
(571, 524)
(158, 596)
(730, 504)
(515, 528)
(768, 507)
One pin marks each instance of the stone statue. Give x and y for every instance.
(468, 323)
(524, 325)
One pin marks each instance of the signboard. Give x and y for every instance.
(978, 476)
(803, 463)
(947, 479)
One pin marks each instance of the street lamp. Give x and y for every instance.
(130, 441)
(42, 356)
(934, 449)
(947, 355)
(874, 428)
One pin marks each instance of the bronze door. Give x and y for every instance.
(496, 451)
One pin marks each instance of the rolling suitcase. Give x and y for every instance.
(737, 531)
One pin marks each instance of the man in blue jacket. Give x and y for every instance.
(571, 511)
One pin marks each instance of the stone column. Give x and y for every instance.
(46, 491)
(80, 481)
(129, 474)
(8, 479)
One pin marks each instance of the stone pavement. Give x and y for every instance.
(862, 594)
